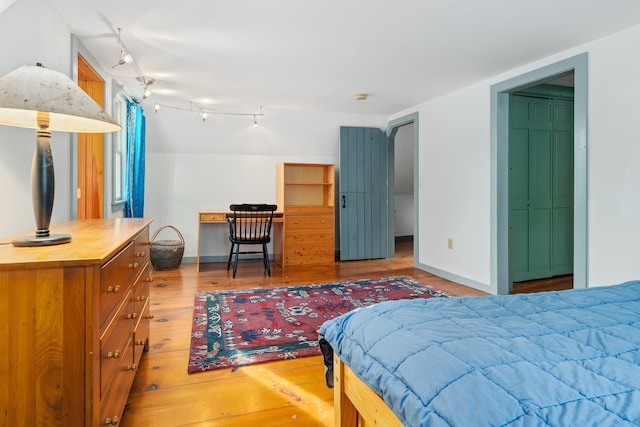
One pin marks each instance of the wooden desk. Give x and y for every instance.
(220, 217)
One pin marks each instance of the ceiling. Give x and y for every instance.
(310, 55)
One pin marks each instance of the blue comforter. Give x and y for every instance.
(569, 358)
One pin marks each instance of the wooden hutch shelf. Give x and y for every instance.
(305, 192)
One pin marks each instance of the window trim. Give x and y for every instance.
(119, 153)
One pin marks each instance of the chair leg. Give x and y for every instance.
(265, 254)
(235, 263)
(230, 255)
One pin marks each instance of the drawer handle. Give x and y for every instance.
(141, 254)
(134, 265)
(131, 367)
(111, 421)
(140, 342)
(149, 279)
(113, 354)
(115, 289)
(141, 298)
(132, 315)
(149, 316)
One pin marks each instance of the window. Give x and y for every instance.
(119, 149)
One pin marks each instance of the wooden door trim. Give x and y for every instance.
(499, 280)
(90, 151)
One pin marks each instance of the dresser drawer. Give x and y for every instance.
(112, 404)
(141, 247)
(309, 253)
(140, 255)
(141, 333)
(300, 259)
(310, 238)
(309, 210)
(115, 281)
(114, 342)
(141, 290)
(306, 222)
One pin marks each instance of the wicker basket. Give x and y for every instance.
(166, 254)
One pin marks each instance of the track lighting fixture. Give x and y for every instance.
(204, 113)
(125, 58)
(146, 82)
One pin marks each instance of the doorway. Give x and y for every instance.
(500, 275)
(403, 188)
(408, 152)
(90, 187)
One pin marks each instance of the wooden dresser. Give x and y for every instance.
(74, 321)
(306, 193)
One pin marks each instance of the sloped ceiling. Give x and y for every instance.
(310, 55)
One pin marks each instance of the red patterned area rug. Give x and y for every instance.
(242, 327)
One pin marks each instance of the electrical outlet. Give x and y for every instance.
(450, 243)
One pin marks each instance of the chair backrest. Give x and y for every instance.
(251, 222)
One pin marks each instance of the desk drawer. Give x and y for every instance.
(308, 222)
(213, 217)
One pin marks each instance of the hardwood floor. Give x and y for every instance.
(284, 393)
(558, 283)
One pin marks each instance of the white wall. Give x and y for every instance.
(454, 184)
(614, 155)
(455, 159)
(31, 31)
(193, 166)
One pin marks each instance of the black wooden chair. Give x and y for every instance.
(250, 225)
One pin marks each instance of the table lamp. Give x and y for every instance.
(46, 100)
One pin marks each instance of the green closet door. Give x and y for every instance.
(562, 243)
(540, 188)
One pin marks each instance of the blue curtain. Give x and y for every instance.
(134, 181)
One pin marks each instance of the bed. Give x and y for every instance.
(567, 358)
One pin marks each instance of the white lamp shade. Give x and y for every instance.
(31, 89)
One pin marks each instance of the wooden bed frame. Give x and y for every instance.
(355, 404)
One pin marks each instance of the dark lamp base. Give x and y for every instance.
(52, 239)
